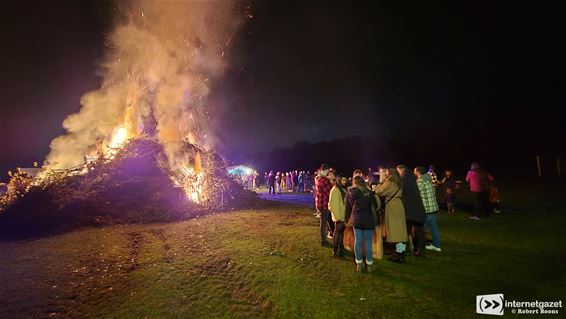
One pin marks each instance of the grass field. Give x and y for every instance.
(267, 263)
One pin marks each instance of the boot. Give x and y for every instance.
(359, 267)
(338, 254)
(370, 268)
(325, 243)
(397, 258)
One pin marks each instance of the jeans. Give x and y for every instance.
(324, 218)
(271, 188)
(431, 224)
(301, 187)
(361, 235)
(338, 239)
(279, 188)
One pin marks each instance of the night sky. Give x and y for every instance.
(473, 78)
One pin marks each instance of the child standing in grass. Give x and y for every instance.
(494, 200)
(448, 187)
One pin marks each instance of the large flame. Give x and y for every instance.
(119, 138)
(163, 58)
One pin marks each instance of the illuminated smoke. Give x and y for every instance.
(163, 59)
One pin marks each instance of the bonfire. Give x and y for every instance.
(139, 149)
(134, 186)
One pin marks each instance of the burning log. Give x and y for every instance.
(134, 186)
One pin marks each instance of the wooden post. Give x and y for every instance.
(538, 167)
(558, 166)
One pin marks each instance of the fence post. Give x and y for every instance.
(538, 167)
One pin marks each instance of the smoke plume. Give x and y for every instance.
(163, 59)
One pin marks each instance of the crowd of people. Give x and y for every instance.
(292, 181)
(394, 203)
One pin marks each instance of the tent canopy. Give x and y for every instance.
(240, 170)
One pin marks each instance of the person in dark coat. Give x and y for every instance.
(415, 213)
(271, 183)
(360, 214)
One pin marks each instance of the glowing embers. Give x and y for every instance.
(191, 182)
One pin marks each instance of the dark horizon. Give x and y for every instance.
(439, 84)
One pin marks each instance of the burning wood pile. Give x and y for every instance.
(134, 186)
(134, 152)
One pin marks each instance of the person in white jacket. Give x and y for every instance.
(337, 207)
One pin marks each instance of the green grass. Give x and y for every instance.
(268, 263)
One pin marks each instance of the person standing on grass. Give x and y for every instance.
(308, 182)
(360, 215)
(414, 209)
(278, 179)
(293, 181)
(271, 182)
(448, 188)
(322, 188)
(391, 191)
(283, 182)
(301, 182)
(479, 181)
(332, 178)
(337, 207)
(428, 195)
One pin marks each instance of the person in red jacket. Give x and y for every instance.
(480, 182)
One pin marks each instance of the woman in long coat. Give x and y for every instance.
(395, 225)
